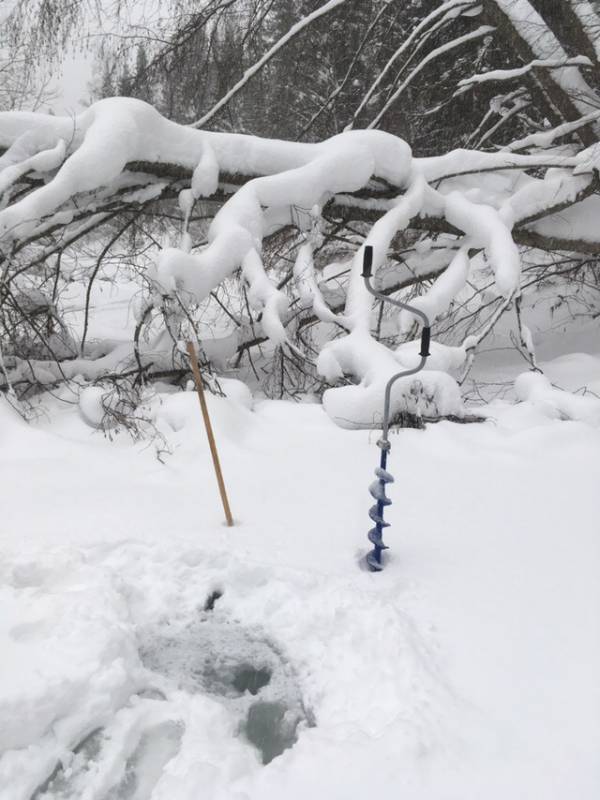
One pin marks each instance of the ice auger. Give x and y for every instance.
(377, 488)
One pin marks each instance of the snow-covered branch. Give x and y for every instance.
(122, 154)
(518, 72)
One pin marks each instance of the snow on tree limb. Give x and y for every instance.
(308, 289)
(486, 228)
(517, 72)
(263, 296)
(117, 131)
(461, 162)
(402, 210)
(545, 139)
(344, 163)
(438, 298)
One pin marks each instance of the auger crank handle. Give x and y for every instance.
(367, 262)
(425, 342)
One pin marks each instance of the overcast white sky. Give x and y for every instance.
(71, 83)
(70, 79)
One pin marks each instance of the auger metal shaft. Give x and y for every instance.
(377, 488)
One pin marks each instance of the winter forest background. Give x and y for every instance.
(210, 171)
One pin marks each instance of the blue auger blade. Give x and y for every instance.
(377, 518)
(373, 563)
(384, 475)
(374, 536)
(377, 490)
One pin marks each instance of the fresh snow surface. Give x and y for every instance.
(467, 669)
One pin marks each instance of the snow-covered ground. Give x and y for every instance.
(468, 669)
(137, 631)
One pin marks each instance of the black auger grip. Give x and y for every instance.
(425, 341)
(367, 262)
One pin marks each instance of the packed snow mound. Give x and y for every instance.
(92, 402)
(174, 411)
(556, 403)
(179, 412)
(430, 394)
(101, 406)
(237, 391)
(575, 372)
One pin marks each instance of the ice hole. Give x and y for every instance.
(249, 679)
(271, 729)
(239, 667)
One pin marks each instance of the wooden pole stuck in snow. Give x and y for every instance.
(209, 431)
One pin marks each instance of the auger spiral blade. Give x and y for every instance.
(375, 535)
(373, 564)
